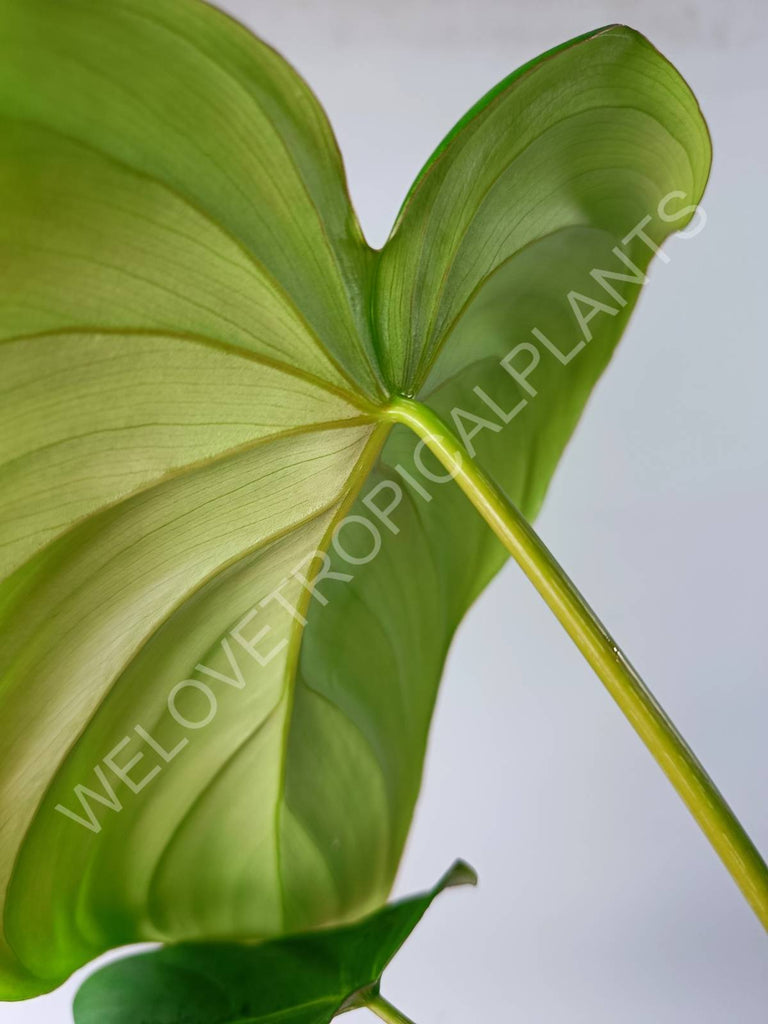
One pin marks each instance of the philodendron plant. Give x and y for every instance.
(254, 472)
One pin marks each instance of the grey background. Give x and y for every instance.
(599, 900)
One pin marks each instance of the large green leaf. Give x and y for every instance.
(304, 979)
(197, 359)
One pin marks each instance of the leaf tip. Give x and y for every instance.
(460, 873)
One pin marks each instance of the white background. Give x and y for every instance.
(599, 901)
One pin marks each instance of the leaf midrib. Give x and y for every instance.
(358, 476)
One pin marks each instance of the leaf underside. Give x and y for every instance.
(303, 979)
(197, 348)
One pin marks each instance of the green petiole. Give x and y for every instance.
(648, 719)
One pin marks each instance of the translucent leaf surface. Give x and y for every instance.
(198, 352)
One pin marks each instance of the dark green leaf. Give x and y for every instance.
(304, 979)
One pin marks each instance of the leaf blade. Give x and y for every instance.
(333, 773)
(459, 224)
(304, 979)
(207, 89)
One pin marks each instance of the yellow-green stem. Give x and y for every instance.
(648, 719)
(386, 1010)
